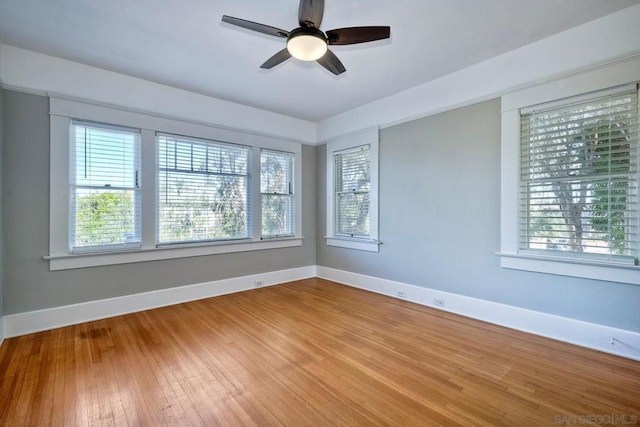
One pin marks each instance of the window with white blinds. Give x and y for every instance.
(105, 190)
(276, 191)
(203, 190)
(579, 177)
(352, 185)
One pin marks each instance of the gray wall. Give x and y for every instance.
(440, 223)
(29, 285)
(2, 169)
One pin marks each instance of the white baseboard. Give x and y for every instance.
(590, 335)
(41, 320)
(598, 337)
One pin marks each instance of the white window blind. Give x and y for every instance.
(276, 189)
(202, 190)
(105, 188)
(579, 177)
(352, 184)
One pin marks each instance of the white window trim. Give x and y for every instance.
(600, 78)
(63, 110)
(368, 136)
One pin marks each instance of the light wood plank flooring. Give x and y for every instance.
(307, 353)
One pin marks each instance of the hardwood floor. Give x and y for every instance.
(307, 353)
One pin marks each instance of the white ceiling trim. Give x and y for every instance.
(608, 39)
(37, 73)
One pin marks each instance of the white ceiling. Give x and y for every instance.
(182, 43)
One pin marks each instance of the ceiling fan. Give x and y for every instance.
(308, 42)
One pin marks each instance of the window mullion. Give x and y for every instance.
(148, 187)
(256, 197)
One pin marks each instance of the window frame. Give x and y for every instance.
(73, 186)
(206, 142)
(511, 257)
(291, 194)
(533, 179)
(352, 141)
(338, 181)
(64, 110)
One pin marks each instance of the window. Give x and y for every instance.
(569, 176)
(352, 179)
(276, 191)
(203, 189)
(105, 196)
(128, 186)
(579, 177)
(352, 191)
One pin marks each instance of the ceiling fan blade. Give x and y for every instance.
(276, 59)
(254, 26)
(353, 35)
(310, 13)
(331, 62)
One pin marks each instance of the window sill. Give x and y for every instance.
(572, 267)
(66, 262)
(359, 244)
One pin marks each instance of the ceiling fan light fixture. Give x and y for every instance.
(308, 42)
(307, 45)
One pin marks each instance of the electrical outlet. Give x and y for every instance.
(258, 283)
(401, 294)
(438, 302)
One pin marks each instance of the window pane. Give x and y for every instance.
(203, 190)
(276, 178)
(579, 179)
(105, 202)
(104, 217)
(104, 156)
(275, 172)
(277, 215)
(352, 171)
(353, 211)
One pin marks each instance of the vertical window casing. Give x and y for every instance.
(203, 190)
(105, 187)
(352, 184)
(579, 177)
(277, 194)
